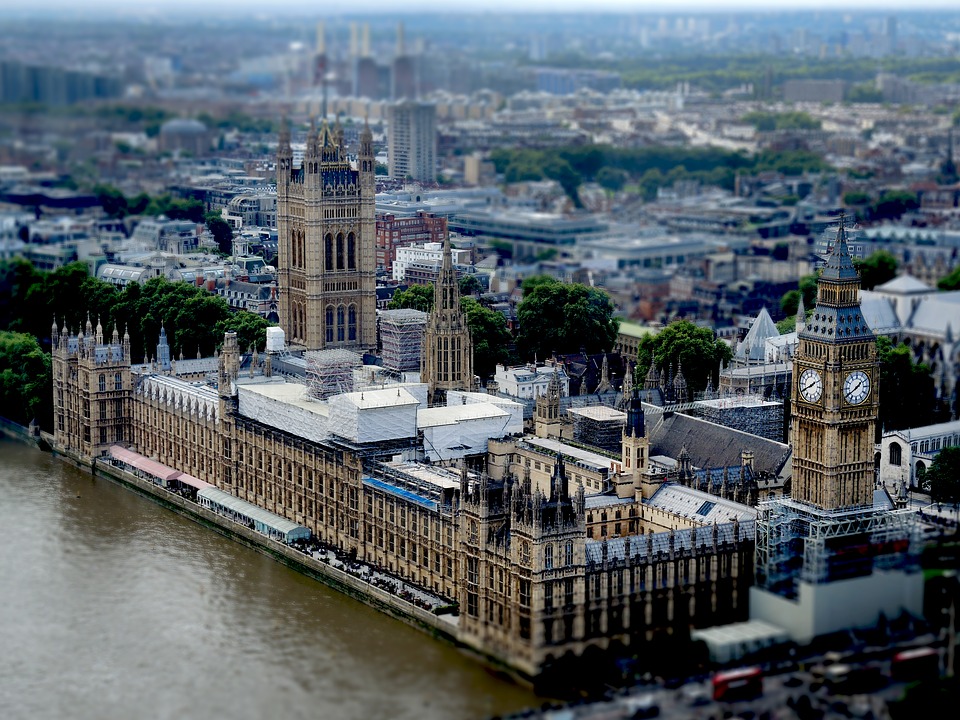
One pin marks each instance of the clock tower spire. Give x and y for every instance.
(834, 402)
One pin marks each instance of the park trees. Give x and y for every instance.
(907, 393)
(685, 346)
(415, 297)
(221, 231)
(26, 391)
(564, 317)
(490, 336)
(876, 269)
(944, 476)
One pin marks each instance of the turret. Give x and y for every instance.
(284, 154)
(680, 386)
(365, 155)
(558, 481)
(801, 315)
(635, 418)
(312, 145)
(652, 380)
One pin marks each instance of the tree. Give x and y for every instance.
(222, 232)
(113, 202)
(807, 289)
(876, 269)
(251, 330)
(416, 297)
(561, 317)
(951, 281)
(892, 204)
(612, 178)
(944, 476)
(856, 197)
(907, 392)
(491, 338)
(470, 285)
(26, 389)
(687, 347)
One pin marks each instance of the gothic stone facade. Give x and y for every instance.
(327, 262)
(532, 587)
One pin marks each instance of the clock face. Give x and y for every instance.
(856, 387)
(811, 385)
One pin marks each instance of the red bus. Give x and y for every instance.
(916, 664)
(740, 684)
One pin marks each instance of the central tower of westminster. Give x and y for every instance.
(326, 239)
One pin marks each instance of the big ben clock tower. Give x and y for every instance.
(835, 555)
(834, 399)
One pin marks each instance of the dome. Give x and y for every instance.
(183, 126)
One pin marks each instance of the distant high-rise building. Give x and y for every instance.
(403, 76)
(412, 141)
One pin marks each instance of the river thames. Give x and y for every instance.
(112, 607)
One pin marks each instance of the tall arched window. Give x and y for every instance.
(548, 557)
(328, 256)
(339, 251)
(352, 323)
(340, 323)
(329, 322)
(117, 381)
(895, 453)
(351, 252)
(103, 382)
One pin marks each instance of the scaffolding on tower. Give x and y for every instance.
(401, 337)
(330, 372)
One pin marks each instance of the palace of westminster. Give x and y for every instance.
(438, 485)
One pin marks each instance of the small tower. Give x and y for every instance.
(680, 386)
(604, 385)
(163, 351)
(652, 380)
(547, 422)
(447, 347)
(634, 445)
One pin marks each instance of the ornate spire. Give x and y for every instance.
(558, 482)
(680, 385)
(839, 265)
(801, 315)
(652, 380)
(635, 419)
(338, 133)
(312, 145)
(451, 369)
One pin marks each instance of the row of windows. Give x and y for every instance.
(117, 382)
(345, 326)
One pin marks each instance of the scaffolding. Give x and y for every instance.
(798, 542)
(330, 372)
(401, 338)
(598, 426)
(749, 413)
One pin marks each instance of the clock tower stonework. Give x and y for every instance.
(834, 399)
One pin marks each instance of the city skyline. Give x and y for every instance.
(337, 8)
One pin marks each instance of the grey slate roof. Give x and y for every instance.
(711, 445)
